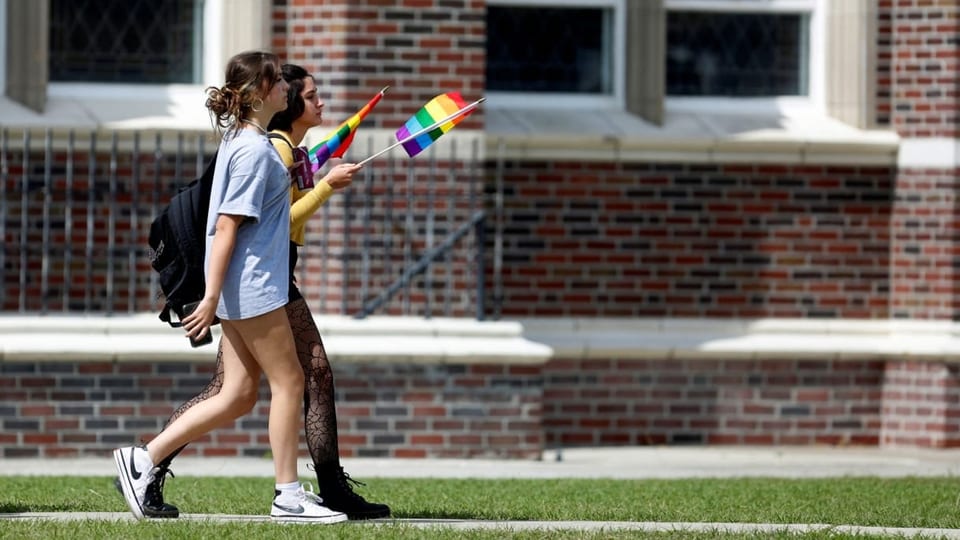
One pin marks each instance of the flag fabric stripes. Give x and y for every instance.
(434, 111)
(337, 141)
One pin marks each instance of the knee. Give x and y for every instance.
(296, 382)
(244, 399)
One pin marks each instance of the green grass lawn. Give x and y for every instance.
(901, 502)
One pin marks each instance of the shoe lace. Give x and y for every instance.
(309, 494)
(343, 481)
(155, 488)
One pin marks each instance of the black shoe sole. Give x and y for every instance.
(167, 512)
(363, 516)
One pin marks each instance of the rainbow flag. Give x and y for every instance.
(447, 109)
(337, 141)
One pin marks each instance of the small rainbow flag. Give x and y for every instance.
(337, 141)
(449, 108)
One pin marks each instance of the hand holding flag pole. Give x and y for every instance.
(416, 141)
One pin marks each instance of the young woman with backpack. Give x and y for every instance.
(286, 130)
(248, 226)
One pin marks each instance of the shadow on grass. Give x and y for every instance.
(11, 508)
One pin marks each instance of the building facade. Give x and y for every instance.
(729, 221)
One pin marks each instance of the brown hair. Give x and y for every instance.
(283, 120)
(249, 77)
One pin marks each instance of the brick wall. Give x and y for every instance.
(418, 47)
(924, 65)
(688, 240)
(921, 405)
(764, 402)
(506, 411)
(389, 410)
(923, 57)
(923, 274)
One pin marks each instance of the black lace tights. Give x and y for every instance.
(319, 410)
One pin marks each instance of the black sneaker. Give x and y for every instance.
(153, 504)
(337, 494)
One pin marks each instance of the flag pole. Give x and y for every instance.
(431, 127)
(316, 147)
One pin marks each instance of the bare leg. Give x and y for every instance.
(268, 341)
(237, 396)
(320, 414)
(213, 388)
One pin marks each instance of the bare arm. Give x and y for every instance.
(198, 323)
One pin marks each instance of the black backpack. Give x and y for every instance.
(177, 240)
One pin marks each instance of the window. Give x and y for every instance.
(739, 48)
(736, 55)
(555, 50)
(126, 41)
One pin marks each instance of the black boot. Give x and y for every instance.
(337, 494)
(153, 504)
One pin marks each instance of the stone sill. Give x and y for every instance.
(528, 341)
(729, 132)
(738, 339)
(375, 339)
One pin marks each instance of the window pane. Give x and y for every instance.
(532, 49)
(130, 41)
(736, 54)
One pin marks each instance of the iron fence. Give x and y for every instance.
(409, 237)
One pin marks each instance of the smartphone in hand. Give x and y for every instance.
(187, 310)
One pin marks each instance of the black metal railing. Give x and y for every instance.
(407, 238)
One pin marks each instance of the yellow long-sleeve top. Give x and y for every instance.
(303, 204)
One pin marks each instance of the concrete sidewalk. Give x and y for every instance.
(512, 526)
(625, 463)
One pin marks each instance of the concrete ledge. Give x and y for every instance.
(377, 339)
(732, 339)
(528, 341)
(689, 134)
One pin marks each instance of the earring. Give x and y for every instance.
(254, 107)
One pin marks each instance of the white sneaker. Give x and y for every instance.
(135, 471)
(305, 507)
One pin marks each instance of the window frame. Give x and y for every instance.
(615, 100)
(210, 54)
(815, 99)
(246, 25)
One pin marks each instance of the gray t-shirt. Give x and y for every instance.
(251, 180)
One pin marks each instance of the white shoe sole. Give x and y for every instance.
(324, 520)
(126, 485)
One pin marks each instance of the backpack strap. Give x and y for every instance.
(185, 209)
(273, 135)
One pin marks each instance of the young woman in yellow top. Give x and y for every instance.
(287, 128)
